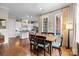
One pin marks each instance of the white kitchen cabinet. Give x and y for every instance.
(3, 13)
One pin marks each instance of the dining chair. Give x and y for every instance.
(58, 43)
(42, 44)
(32, 41)
(50, 33)
(43, 32)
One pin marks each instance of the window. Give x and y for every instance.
(58, 24)
(45, 24)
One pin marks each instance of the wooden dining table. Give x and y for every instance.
(49, 37)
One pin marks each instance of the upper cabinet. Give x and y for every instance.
(3, 17)
(3, 13)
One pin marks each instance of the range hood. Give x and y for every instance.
(2, 19)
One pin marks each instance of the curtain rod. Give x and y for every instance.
(53, 10)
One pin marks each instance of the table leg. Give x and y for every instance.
(50, 48)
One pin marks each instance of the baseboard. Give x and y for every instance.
(75, 55)
(69, 48)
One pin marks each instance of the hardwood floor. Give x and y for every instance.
(22, 48)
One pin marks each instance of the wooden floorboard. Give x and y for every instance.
(15, 47)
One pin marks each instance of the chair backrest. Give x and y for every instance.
(41, 39)
(50, 33)
(43, 32)
(59, 39)
(31, 37)
(58, 33)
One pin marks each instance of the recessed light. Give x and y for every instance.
(27, 16)
(40, 8)
(31, 16)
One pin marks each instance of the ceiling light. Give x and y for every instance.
(40, 8)
(31, 16)
(27, 16)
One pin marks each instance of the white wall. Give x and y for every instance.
(11, 25)
(76, 31)
(77, 24)
(77, 27)
(4, 15)
(10, 29)
(71, 18)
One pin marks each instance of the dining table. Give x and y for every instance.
(49, 37)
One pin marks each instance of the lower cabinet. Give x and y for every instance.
(1, 38)
(78, 48)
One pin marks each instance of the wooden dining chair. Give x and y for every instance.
(42, 43)
(43, 32)
(58, 43)
(32, 41)
(50, 33)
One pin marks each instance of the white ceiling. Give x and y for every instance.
(24, 9)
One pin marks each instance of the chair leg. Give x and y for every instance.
(60, 51)
(44, 52)
(48, 49)
(37, 50)
(30, 47)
